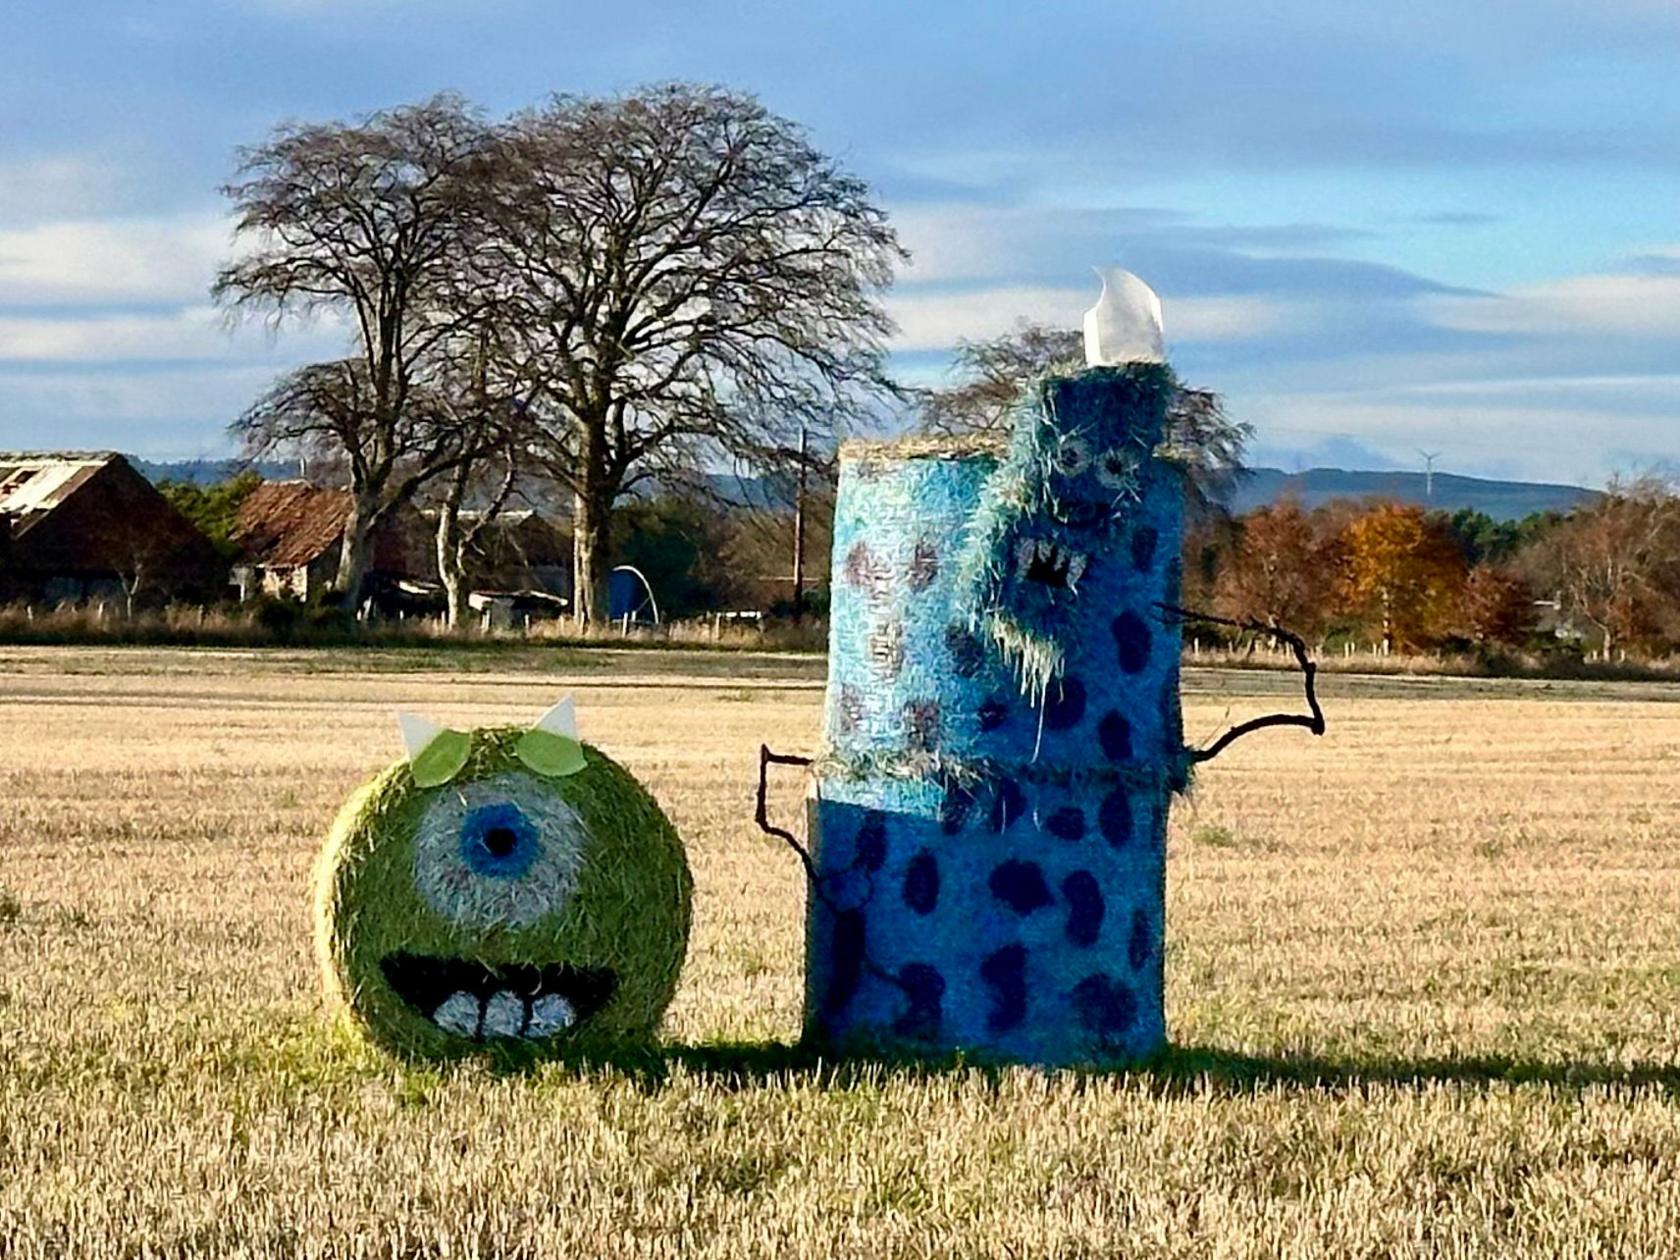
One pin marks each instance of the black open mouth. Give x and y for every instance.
(533, 1001)
(1049, 564)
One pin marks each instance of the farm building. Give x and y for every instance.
(289, 534)
(517, 550)
(80, 526)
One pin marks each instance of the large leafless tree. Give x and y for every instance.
(678, 276)
(362, 221)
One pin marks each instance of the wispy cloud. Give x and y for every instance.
(112, 261)
(192, 333)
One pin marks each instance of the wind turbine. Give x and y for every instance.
(1429, 458)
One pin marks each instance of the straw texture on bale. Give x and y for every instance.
(595, 879)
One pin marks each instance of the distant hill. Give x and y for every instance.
(207, 472)
(1502, 500)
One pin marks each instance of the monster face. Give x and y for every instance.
(526, 904)
(1069, 482)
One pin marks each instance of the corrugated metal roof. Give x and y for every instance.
(33, 483)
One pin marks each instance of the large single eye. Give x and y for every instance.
(500, 852)
(1118, 471)
(1073, 455)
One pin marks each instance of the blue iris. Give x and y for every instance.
(498, 841)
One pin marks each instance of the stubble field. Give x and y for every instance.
(1423, 985)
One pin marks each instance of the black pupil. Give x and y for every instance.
(500, 841)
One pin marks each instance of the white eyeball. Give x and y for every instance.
(1073, 455)
(500, 852)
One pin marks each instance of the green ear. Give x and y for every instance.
(441, 759)
(435, 753)
(550, 755)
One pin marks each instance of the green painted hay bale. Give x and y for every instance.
(504, 911)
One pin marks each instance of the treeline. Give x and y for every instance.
(1601, 580)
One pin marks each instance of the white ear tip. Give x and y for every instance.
(417, 732)
(560, 720)
(1125, 324)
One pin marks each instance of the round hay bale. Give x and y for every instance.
(504, 911)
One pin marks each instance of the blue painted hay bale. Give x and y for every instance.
(1025, 925)
(1003, 735)
(913, 671)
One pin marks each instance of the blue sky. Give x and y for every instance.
(1375, 228)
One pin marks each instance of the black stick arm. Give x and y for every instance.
(1313, 720)
(766, 759)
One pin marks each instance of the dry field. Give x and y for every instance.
(1424, 983)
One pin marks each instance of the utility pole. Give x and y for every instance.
(799, 533)
(1429, 458)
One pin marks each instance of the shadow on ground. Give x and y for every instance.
(1177, 1070)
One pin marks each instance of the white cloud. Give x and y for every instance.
(1641, 306)
(198, 332)
(112, 261)
(57, 187)
(1541, 429)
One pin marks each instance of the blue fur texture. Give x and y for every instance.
(990, 846)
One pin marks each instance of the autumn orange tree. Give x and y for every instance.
(1282, 568)
(1404, 573)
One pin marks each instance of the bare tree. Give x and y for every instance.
(362, 220)
(328, 411)
(990, 376)
(681, 276)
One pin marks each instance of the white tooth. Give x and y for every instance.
(458, 1014)
(1024, 552)
(503, 1014)
(549, 1014)
(1076, 568)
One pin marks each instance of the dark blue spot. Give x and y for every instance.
(847, 961)
(1005, 973)
(1114, 818)
(1008, 804)
(1085, 907)
(992, 713)
(1067, 823)
(924, 990)
(1064, 703)
(499, 841)
(1144, 538)
(955, 805)
(1131, 640)
(1141, 945)
(872, 841)
(1104, 1006)
(1114, 733)
(921, 883)
(965, 649)
(1020, 886)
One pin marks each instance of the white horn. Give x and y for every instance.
(1125, 324)
(560, 720)
(417, 732)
